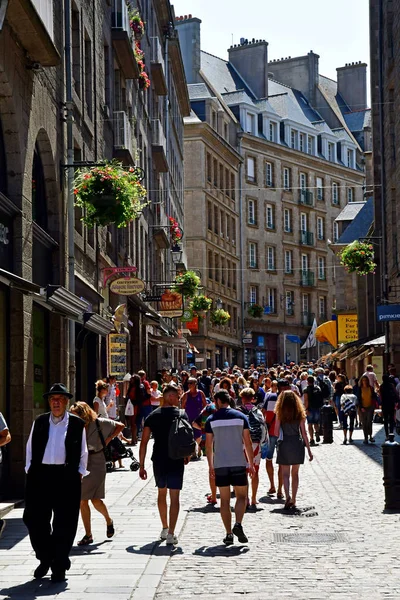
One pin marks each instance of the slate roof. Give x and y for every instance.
(198, 91)
(360, 225)
(350, 211)
(222, 75)
(288, 108)
(357, 121)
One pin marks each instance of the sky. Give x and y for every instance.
(337, 31)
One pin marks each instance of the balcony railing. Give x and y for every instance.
(120, 15)
(122, 39)
(306, 198)
(308, 319)
(307, 278)
(122, 131)
(158, 67)
(306, 238)
(159, 146)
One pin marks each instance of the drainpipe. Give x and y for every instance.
(70, 191)
(383, 248)
(241, 250)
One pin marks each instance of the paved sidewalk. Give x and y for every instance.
(349, 550)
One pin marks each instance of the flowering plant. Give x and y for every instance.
(200, 304)
(255, 310)
(187, 283)
(136, 24)
(358, 257)
(219, 316)
(109, 194)
(144, 79)
(175, 230)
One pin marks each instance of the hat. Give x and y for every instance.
(58, 389)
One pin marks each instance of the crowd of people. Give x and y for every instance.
(235, 418)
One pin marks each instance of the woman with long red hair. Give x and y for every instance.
(291, 429)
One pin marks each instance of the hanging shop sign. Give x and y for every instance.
(116, 355)
(193, 325)
(388, 312)
(187, 315)
(171, 304)
(127, 286)
(347, 328)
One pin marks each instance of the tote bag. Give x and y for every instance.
(129, 409)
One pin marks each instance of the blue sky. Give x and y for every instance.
(337, 31)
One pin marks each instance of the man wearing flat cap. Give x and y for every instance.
(56, 460)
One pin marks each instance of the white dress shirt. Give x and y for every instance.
(55, 453)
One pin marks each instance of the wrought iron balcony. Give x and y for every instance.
(307, 318)
(307, 278)
(306, 198)
(124, 142)
(306, 238)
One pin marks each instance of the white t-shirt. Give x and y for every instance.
(102, 410)
(372, 378)
(155, 397)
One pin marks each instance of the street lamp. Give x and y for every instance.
(176, 252)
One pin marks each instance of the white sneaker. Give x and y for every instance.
(172, 540)
(164, 533)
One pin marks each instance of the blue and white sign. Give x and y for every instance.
(388, 312)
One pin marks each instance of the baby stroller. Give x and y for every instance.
(119, 450)
(397, 423)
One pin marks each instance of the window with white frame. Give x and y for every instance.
(320, 188)
(303, 181)
(335, 231)
(305, 302)
(271, 258)
(251, 212)
(331, 151)
(303, 222)
(270, 217)
(252, 255)
(271, 299)
(287, 178)
(321, 268)
(288, 261)
(287, 220)
(350, 158)
(289, 302)
(251, 168)
(304, 262)
(320, 228)
(302, 142)
(250, 123)
(322, 307)
(273, 131)
(350, 194)
(253, 294)
(310, 144)
(335, 193)
(293, 138)
(269, 174)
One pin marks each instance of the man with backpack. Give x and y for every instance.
(313, 402)
(324, 383)
(258, 434)
(173, 444)
(227, 431)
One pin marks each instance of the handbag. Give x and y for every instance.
(106, 449)
(129, 409)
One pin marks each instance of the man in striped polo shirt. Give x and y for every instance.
(227, 431)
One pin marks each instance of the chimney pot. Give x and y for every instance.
(185, 16)
(190, 16)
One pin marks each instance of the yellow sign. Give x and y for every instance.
(347, 328)
(116, 346)
(127, 286)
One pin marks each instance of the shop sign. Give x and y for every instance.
(171, 304)
(187, 315)
(347, 328)
(247, 340)
(127, 286)
(116, 354)
(193, 325)
(388, 312)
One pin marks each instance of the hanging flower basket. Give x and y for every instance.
(219, 316)
(144, 79)
(109, 194)
(358, 257)
(187, 284)
(175, 230)
(136, 24)
(200, 305)
(256, 311)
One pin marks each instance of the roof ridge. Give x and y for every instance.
(329, 78)
(214, 56)
(280, 83)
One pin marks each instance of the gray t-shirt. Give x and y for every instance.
(227, 426)
(107, 427)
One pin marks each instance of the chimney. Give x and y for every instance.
(188, 28)
(352, 85)
(250, 59)
(301, 73)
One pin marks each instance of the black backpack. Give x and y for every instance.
(257, 426)
(315, 399)
(181, 443)
(326, 392)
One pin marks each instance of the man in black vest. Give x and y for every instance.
(56, 460)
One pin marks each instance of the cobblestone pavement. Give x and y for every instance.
(349, 549)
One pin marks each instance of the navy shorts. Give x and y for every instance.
(314, 416)
(227, 476)
(164, 478)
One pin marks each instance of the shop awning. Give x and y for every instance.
(165, 340)
(65, 302)
(294, 339)
(380, 341)
(19, 283)
(97, 324)
(327, 332)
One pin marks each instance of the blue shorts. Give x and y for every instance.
(273, 439)
(173, 480)
(314, 417)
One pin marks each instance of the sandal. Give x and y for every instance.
(110, 529)
(86, 540)
(271, 491)
(279, 496)
(210, 500)
(288, 504)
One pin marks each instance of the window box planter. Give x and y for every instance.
(256, 311)
(219, 316)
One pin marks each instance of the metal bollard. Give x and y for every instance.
(391, 473)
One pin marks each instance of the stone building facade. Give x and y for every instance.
(112, 118)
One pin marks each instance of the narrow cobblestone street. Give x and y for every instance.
(349, 549)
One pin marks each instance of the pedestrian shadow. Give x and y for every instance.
(208, 508)
(33, 589)
(89, 549)
(271, 500)
(373, 451)
(155, 549)
(308, 511)
(221, 550)
(14, 532)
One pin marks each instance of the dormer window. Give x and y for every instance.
(331, 150)
(251, 124)
(273, 131)
(302, 142)
(350, 159)
(293, 139)
(310, 144)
